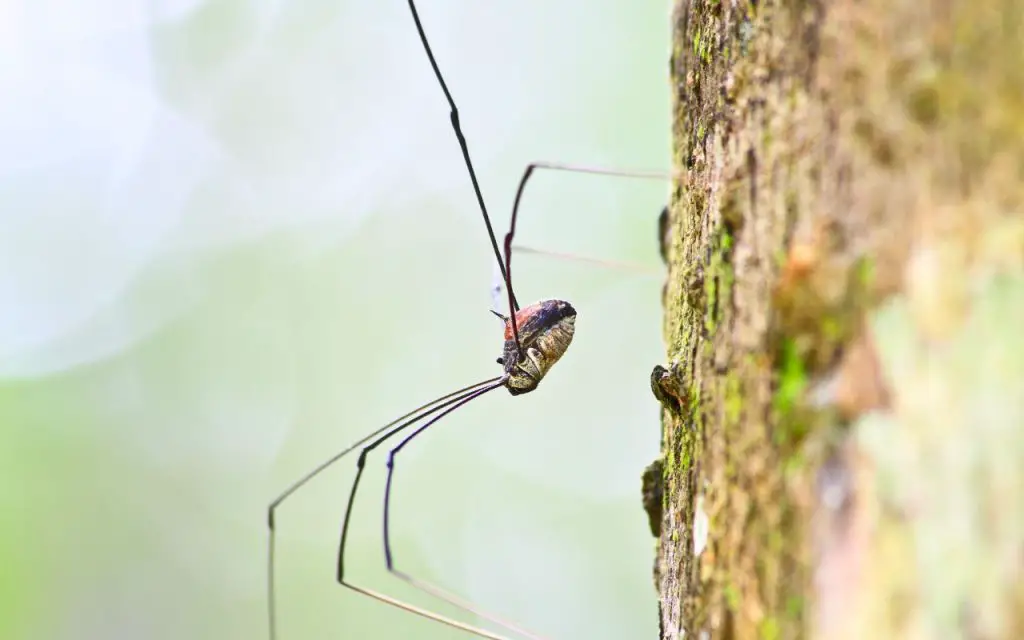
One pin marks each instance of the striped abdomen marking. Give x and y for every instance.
(545, 331)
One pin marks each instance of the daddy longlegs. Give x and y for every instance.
(535, 338)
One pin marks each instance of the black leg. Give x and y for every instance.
(422, 585)
(387, 430)
(513, 306)
(557, 166)
(572, 168)
(448, 406)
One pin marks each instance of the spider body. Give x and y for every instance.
(545, 331)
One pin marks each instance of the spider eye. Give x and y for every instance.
(501, 361)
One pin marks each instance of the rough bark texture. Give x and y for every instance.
(843, 434)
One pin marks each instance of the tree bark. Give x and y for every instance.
(843, 451)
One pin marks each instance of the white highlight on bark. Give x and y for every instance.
(701, 526)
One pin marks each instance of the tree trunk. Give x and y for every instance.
(843, 433)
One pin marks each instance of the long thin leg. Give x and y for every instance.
(389, 429)
(597, 262)
(448, 406)
(573, 168)
(422, 585)
(513, 305)
(561, 166)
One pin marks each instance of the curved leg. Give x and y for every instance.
(422, 585)
(448, 407)
(572, 168)
(448, 403)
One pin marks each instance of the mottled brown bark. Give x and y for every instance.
(842, 433)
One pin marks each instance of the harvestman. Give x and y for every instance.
(536, 336)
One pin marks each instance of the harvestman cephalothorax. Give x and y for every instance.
(536, 336)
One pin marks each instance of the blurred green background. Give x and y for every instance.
(237, 234)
